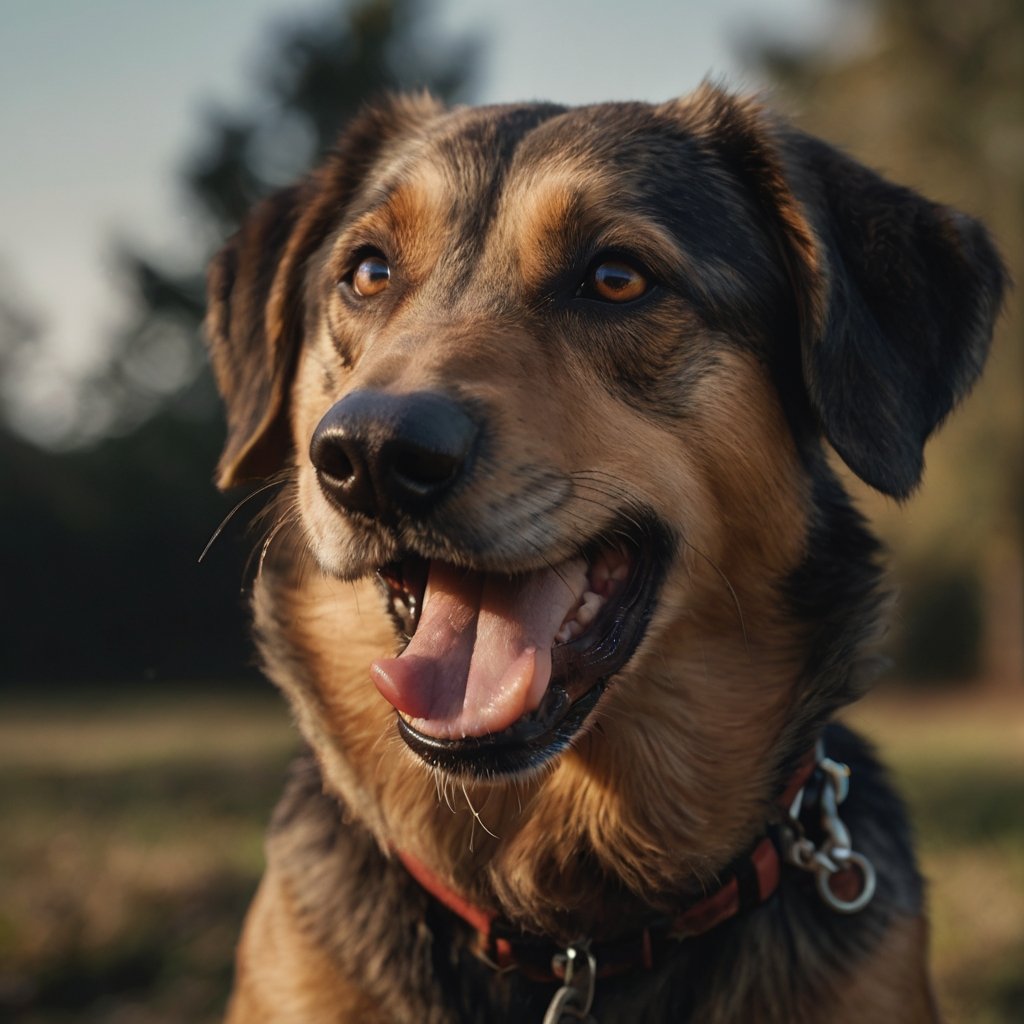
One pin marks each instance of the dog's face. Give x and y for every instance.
(516, 405)
(557, 382)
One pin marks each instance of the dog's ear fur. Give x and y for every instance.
(256, 285)
(897, 296)
(903, 297)
(251, 337)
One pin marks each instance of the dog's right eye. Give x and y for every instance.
(370, 276)
(614, 280)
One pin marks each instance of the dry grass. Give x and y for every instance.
(960, 761)
(132, 842)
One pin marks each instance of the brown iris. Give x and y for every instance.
(371, 277)
(615, 281)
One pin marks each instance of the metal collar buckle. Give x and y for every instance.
(834, 858)
(577, 967)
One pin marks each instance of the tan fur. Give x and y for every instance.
(282, 975)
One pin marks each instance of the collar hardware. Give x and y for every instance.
(845, 879)
(577, 967)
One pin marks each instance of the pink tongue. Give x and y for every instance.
(481, 655)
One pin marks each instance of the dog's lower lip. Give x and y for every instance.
(524, 745)
(581, 670)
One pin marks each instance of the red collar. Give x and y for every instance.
(751, 880)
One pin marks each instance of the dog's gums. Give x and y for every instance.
(495, 663)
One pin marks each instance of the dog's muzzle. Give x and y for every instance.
(500, 669)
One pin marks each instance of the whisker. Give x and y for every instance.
(732, 590)
(276, 482)
(476, 815)
(284, 522)
(304, 557)
(447, 797)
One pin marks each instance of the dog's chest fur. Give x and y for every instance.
(418, 960)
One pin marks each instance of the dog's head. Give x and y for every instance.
(561, 380)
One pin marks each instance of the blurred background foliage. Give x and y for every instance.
(104, 538)
(933, 96)
(132, 823)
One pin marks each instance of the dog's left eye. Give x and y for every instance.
(614, 280)
(371, 276)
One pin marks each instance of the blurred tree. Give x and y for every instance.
(931, 92)
(18, 330)
(98, 544)
(321, 72)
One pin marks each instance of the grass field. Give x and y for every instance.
(130, 843)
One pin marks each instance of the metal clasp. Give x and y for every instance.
(577, 968)
(835, 855)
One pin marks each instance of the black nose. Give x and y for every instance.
(383, 455)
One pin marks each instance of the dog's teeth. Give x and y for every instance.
(605, 575)
(568, 632)
(588, 610)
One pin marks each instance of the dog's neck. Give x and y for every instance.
(749, 880)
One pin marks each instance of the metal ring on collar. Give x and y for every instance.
(862, 899)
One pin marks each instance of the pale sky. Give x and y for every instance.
(101, 100)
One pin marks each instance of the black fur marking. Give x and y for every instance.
(837, 592)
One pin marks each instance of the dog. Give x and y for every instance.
(561, 579)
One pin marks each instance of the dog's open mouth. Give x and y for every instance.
(500, 671)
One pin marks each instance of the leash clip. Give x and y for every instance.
(577, 967)
(834, 860)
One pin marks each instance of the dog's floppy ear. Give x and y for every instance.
(250, 329)
(897, 295)
(256, 285)
(902, 297)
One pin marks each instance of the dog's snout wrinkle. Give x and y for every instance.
(383, 455)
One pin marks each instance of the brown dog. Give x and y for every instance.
(560, 582)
